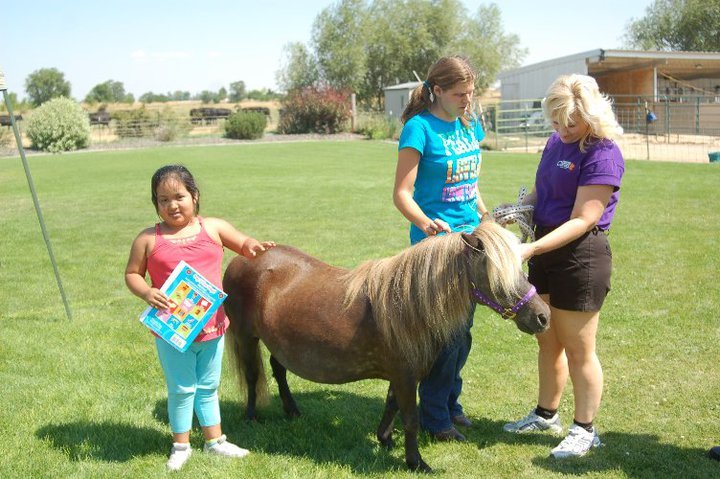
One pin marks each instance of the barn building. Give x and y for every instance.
(621, 72)
(654, 78)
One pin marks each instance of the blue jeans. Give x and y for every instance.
(440, 389)
(192, 380)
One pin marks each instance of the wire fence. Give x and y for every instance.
(665, 128)
(153, 129)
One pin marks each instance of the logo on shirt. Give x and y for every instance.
(464, 169)
(459, 142)
(566, 165)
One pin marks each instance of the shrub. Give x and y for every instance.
(313, 110)
(136, 123)
(379, 127)
(245, 125)
(171, 126)
(7, 137)
(59, 125)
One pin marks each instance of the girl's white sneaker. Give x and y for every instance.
(224, 448)
(179, 454)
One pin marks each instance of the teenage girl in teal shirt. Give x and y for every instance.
(436, 189)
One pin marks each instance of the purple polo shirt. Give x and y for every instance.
(563, 168)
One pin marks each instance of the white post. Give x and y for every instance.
(46, 237)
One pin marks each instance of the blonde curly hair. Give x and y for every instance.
(570, 94)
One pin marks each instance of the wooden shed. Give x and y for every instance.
(397, 97)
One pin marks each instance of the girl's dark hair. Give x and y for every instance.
(179, 173)
(445, 73)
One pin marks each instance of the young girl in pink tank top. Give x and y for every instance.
(192, 377)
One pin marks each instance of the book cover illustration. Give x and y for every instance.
(193, 301)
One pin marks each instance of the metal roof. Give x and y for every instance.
(403, 86)
(684, 65)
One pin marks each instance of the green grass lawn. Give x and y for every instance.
(87, 399)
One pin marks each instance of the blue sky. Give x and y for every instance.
(161, 46)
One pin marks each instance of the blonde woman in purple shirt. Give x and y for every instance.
(575, 196)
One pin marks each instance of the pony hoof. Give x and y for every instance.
(293, 414)
(421, 467)
(387, 443)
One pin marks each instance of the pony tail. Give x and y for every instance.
(419, 101)
(243, 354)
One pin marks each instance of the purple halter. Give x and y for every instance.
(506, 313)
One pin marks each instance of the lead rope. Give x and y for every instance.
(518, 213)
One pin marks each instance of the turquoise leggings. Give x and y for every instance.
(192, 380)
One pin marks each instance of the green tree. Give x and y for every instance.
(687, 25)
(151, 97)
(222, 93)
(340, 45)
(179, 95)
(237, 91)
(366, 46)
(263, 94)
(14, 103)
(404, 37)
(108, 92)
(45, 84)
(207, 96)
(486, 44)
(299, 68)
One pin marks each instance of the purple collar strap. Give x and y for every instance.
(506, 313)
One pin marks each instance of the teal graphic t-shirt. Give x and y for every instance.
(447, 175)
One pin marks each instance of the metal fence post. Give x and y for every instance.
(647, 131)
(495, 123)
(31, 184)
(527, 120)
(667, 119)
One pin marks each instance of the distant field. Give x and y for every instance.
(184, 107)
(104, 134)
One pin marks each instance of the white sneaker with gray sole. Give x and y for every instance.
(532, 423)
(577, 443)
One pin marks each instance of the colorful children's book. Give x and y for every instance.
(194, 300)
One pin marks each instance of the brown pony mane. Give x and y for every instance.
(421, 296)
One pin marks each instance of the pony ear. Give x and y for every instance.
(473, 242)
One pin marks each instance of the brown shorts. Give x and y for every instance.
(577, 275)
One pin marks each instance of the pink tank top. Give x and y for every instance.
(203, 254)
